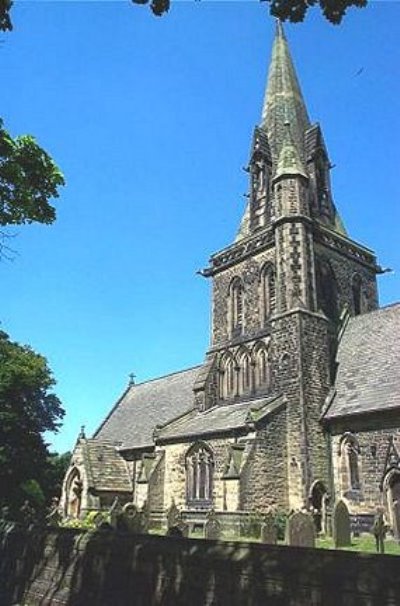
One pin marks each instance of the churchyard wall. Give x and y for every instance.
(71, 568)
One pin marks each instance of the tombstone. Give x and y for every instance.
(269, 531)
(173, 515)
(130, 519)
(175, 523)
(379, 529)
(212, 527)
(300, 530)
(341, 525)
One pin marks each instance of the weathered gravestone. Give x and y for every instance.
(131, 519)
(300, 530)
(269, 531)
(212, 527)
(341, 525)
(175, 524)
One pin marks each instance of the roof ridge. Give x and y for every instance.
(170, 374)
(374, 311)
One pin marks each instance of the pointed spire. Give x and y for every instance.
(283, 97)
(289, 161)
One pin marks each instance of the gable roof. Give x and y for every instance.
(105, 467)
(131, 422)
(368, 377)
(220, 419)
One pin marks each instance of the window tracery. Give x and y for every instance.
(199, 474)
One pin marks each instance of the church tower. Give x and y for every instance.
(283, 288)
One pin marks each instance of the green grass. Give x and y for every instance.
(364, 543)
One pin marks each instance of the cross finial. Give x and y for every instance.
(132, 378)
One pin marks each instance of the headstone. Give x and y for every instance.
(269, 531)
(212, 527)
(173, 515)
(175, 524)
(379, 529)
(300, 530)
(341, 525)
(130, 519)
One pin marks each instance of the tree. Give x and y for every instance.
(28, 179)
(28, 408)
(285, 10)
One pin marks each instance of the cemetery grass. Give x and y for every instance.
(364, 543)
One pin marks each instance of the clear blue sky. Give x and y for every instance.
(150, 120)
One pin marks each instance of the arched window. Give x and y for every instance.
(199, 475)
(236, 306)
(267, 292)
(327, 290)
(245, 372)
(228, 377)
(74, 487)
(357, 294)
(262, 367)
(350, 468)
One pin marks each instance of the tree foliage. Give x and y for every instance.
(28, 408)
(285, 10)
(28, 179)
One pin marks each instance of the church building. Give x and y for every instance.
(297, 403)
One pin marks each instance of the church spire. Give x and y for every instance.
(283, 98)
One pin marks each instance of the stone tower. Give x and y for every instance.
(285, 286)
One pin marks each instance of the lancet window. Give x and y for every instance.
(199, 475)
(267, 292)
(228, 377)
(262, 368)
(245, 372)
(350, 462)
(236, 306)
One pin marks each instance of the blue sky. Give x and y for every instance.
(151, 120)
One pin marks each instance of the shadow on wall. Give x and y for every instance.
(105, 568)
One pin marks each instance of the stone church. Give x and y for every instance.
(297, 402)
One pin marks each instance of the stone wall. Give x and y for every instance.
(374, 465)
(264, 482)
(69, 568)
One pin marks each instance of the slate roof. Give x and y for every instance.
(368, 377)
(131, 422)
(219, 419)
(105, 467)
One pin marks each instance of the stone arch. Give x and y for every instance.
(262, 365)
(228, 378)
(318, 498)
(73, 493)
(349, 451)
(245, 370)
(199, 465)
(391, 489)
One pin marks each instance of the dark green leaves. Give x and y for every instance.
(28, 179)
